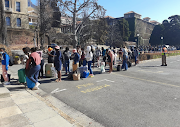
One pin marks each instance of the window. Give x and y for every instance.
(6, 3)
(8, 21)
(18, 22)
(18, 8)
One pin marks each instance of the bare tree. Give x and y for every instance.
(75, 8)
(3, 27)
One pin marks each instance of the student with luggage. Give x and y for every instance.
(89, 58)
(98, 54)
(33, 64)
(125, 58)
(78, 48)
(5, 64)
(83, 59)
(58, 62)
(76, 58)
(67, 55)
(26, 51)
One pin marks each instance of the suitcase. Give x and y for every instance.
(48, 71)
(129, 64)
(82, 69)
(118, 67)
(85, 74)
(76, 77)
(30, 84)
(22, 76)
(2, 79)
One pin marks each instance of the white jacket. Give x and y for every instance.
(89, 54)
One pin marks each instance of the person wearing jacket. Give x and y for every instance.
(5, 64)
(35, 61)
(58, 62)
(89, 58)
(76, 58)
(67, 55)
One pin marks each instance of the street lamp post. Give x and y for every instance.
(161, 43)
(137, 40)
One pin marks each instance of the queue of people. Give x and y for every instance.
(88, 56)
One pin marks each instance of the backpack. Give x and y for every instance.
(10, 60)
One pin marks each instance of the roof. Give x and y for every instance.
(146, 18)
(153, 21)
(131, 13)
(109, 17)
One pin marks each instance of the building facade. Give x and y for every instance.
(141, 29)
(16, 14)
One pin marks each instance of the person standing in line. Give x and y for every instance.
(98, 54)
(104, 55)
(5, 64)
(120, 54)
(89, 58)
(76, 58)
(136, 54)
(94, 56)
(34, 60)
(83, 59)
(51, 55)
(40, 52)
(58, 63)
(67, 55)
(125, 58)
(110, 55)
(78, 48)
(115, 55)
(26, 51)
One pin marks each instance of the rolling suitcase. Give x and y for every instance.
(22, 76)
(2, 79)
(48, 70)
(129, 63)
(30, 84)
(118, 67)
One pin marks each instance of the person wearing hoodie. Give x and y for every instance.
(89, 58)
(5, 64)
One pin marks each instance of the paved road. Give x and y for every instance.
(146, 95)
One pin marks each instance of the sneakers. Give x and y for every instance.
(36, 87)
(6, 83)
(91, 75)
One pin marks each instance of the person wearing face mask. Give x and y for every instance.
(5, 63)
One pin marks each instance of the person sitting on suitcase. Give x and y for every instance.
(5, 63)
(76, 58)
(34, 60)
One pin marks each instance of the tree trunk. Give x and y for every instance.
(74, 26)
(3, 24)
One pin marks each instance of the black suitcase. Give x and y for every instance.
(129, 63)
(2, 79)
(118, 67)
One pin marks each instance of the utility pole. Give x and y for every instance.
(3, 27)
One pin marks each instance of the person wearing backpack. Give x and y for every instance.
(67, 55)
(5, 64)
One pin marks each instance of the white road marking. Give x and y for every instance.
(57, 90)
(104, 80)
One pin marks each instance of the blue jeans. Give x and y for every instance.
(125, 63)
(89, 67)
(135, 59)
(67, 66)
(34, 73)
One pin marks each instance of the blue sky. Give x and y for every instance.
(155, 9)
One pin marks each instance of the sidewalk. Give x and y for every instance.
(20, 107)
